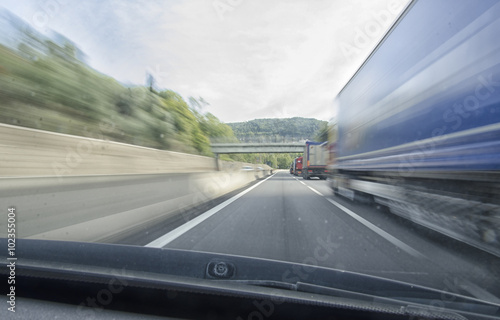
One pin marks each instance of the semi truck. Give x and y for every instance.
(297, 166)
(315, 159)
(417, 127)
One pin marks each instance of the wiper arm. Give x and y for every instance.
(265, 283)
(411, 303)
(310, 288)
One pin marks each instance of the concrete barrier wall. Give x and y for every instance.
(95, 208)
(31, 152)
(108, 188)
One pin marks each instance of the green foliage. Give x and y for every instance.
(215, 130)
(43, 85)
(275, 160)
(322, 133)
(54, 91)
(277, 130)
(285, 160)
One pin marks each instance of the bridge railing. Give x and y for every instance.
(228, 148)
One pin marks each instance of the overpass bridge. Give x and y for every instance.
(231, 148)
(228, 148)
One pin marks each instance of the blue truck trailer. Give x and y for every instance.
(417, 128)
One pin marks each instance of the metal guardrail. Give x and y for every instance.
(227, 148)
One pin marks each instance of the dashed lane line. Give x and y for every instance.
(395, 241)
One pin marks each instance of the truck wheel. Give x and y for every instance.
(333, 186)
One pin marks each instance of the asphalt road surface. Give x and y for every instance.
(287, 218)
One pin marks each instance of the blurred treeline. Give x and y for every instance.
(47, 86)
(53, 90)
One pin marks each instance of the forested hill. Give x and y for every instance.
(277, 130)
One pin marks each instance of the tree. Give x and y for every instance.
(199, 104)
(150, 82)
(322, 133)
(284, 161)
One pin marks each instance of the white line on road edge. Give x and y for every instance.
(395, 241)
(315, 191)
(473, 289)
(174, 234)
(300, 181)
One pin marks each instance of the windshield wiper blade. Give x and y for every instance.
(410, 304)
(308, 288)
(265, 283)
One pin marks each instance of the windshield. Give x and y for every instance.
(359, 136)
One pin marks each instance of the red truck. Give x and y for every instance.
(297, 166)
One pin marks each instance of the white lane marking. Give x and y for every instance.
(316, 191)
(473, 289)
(174, 234)
(300, 181)
(395, 241)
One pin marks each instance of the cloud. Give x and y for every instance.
(254, 59)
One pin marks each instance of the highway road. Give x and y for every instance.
(287, 218)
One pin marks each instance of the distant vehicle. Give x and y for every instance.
(247, 168)
(293, 167)
(315, 159)
(417, 128)
(298, 166)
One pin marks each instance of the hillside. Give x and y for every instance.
(277, 130)
(46, 84)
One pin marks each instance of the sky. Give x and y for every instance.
(248, 59)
